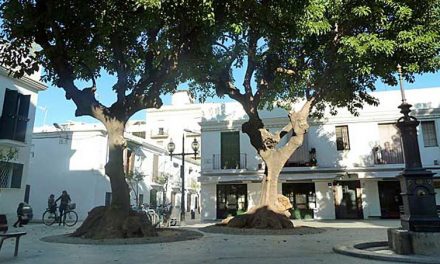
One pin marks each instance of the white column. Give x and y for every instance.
(208, 203)
(325, 205)
(370, 198)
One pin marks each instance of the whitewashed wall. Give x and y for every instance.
(325, 208)
(10, 198)
(370, 198)
(69, 161)
(208, 201)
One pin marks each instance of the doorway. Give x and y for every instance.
(231, 200)
(348, 200)
(390, 199)
(302, 197)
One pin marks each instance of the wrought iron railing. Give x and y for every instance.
(387, 156)
(226, 163)
(159, 132)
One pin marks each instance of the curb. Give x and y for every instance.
(360, 250)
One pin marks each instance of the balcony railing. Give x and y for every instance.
(387, 156)
(229, 162)
(159, 133)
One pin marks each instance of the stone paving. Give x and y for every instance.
(211, 248)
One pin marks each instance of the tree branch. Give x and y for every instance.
(299, 125)
(121, 85)
(252, 52)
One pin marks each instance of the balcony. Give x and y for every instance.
(387, 156)
(302, 158)
(159, 133)
(229, 163)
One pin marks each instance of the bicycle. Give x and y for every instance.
(69, 216)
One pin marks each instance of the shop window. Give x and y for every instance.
(302, 196)
(231, 200)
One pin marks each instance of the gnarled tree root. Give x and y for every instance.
(106, 223)
(262, 217)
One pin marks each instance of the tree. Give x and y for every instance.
(326, 53)
(133, 180)
(142, 43)
(163, 179)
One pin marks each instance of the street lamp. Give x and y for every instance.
(171, 147)
(418, 195)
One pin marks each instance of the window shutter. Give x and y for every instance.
(7, 120)
(230, 150)
(22, 119)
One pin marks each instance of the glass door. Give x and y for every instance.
(348, 201)
(231, 200)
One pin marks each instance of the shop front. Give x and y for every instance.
(390, 199)
(302, 197)
(348, 199)
(231, 200)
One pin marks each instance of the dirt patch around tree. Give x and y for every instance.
(164, 236)
(299, 231)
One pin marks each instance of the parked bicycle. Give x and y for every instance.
(69, 217)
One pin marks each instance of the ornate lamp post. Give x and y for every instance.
(171, 147)
(420, 214)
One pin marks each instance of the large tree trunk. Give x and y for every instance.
(273, 208)
(116, 221)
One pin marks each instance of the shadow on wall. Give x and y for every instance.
(50, 173)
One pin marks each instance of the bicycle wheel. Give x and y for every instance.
(71, 217)
(48, 218)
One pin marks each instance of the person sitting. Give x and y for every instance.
(51, 204)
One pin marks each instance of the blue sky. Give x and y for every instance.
(52, 106)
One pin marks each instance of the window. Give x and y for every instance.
(10, 175)
(141, 199)
(14, 116)
(161, 131)
(128, 161)
(153, 198)
(342, 138)
(301, 156)
(155, 169)
(27, 193)
(140, 134)
(108, 198)
(429, 134)
(390, 149)
(230, 150)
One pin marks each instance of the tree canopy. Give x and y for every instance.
(332, 50)
(141, 42)
(145, 44)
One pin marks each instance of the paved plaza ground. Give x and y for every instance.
(211, 248)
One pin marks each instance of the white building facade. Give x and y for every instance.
(179, 123)
(18, 100)
(72, 157)
(345, 169)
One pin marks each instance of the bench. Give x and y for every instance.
(15, 235)
(5, 235)
(3, 223)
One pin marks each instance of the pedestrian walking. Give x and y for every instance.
(64, 202)
(20, 215)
